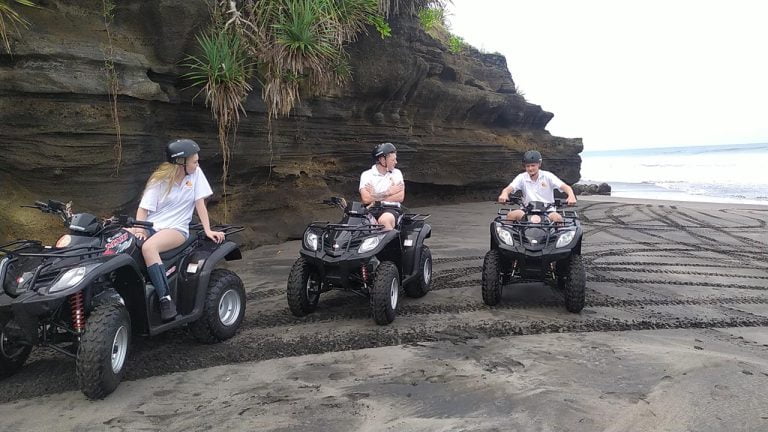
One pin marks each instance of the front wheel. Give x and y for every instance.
(421, 286)
(574, 285)
(103, 350)
(303, 288)
(385, 293)
(223, 309)
(13, 354)
(491, 278)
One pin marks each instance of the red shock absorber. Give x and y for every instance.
(78, 313)
(364, 271)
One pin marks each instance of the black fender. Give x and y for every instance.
(234, 255)
(226, 249)
(389, 248)
(412, 254)
(205, 275)
(107, 297)
(129, 286)
(120, 262)
(577, 249)
(494, 239)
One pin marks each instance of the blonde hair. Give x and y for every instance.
(166, 172)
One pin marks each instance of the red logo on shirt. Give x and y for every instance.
(189, 183)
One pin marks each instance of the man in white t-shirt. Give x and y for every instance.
(537, 185)
(383, 182)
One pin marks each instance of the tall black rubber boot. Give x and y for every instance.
(157, 276)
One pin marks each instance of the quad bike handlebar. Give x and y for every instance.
(353, 207)
(336, 202)
(55, 207)
(64, 211)
(127, 222)
(559, 202)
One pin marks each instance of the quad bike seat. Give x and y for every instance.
(169, 254)
(165, 256)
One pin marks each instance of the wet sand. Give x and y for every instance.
(673, 337)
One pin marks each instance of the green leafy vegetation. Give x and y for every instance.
(293, 48)
(455, 44)
(10, 19)
(223, 71)
(432, 20)
(382, 26)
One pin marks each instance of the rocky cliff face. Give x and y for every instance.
(457, 120)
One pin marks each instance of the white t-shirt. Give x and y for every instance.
(175, 209)
(381, 182)
(541, 190)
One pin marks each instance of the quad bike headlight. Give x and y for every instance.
(370, 243)
(310, 240)
(71, 278)
(505, 236)
(565, 238)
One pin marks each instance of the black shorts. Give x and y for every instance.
(394, 211)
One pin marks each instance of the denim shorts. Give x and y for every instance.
(153, 231)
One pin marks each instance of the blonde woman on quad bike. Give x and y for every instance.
(174, 191)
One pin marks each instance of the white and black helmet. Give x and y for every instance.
(180, 148)
(531, 156)
(383, 149)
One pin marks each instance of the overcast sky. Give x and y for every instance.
(633, 74)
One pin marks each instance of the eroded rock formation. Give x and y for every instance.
(457, 120)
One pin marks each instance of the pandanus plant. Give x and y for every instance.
(291, 47)
(10, 18)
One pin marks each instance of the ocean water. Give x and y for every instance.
(726, 173)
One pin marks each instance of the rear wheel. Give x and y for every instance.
(491, 279)
(385, 293)
(103, 350)
(13, 354)
(574, 284)
(303, 288)
(223, 309)
(421, 286)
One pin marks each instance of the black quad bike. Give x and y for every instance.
(87, 295)
(535, 249)
(358, 255)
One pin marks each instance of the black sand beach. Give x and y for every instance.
(673, 337)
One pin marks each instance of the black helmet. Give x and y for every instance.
(531, 156)
(383, 149)
(180, 148)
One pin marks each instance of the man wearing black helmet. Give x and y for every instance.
(537, 185)
(383, 182)
(174, 191)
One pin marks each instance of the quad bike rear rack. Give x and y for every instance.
(225, 228)
(416, 217)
